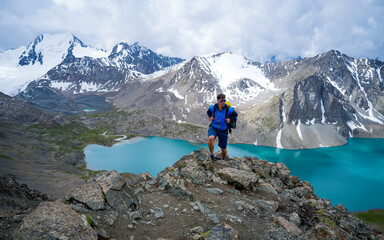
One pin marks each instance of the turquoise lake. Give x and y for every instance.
(352, 174)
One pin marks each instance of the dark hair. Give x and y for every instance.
(221, 96)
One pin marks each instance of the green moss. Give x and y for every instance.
(206, 234)
(321, 217)
(89, 219)
(373, 217)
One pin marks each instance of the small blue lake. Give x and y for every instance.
(352, 174)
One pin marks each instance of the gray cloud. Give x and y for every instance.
(256, 29)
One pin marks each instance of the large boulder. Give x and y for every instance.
(90, 195)
(117, 193)
(243, 178)
(55, 220)
(109, 188)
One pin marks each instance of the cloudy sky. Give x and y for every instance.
(184, 28)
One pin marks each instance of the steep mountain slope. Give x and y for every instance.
(327, 102)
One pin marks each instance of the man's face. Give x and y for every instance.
(221, 102)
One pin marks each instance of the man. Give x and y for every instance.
(219, 124)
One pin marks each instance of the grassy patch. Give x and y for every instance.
(373, 217)
(71, 136)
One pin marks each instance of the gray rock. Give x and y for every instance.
(110, 217)
(54, 220)
(213, 217)
(203, 158)
(90, 195)
(282, 170)
(135, 215)
(214, 190)
(295, 218)
(237, 176)
(193, 172)
(158, 213)
(117, 193)
(268, 207)
(223, 231)
(197, 229)
(290, 227)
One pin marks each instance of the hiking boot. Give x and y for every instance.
(212, 157)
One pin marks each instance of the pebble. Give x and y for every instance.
(130, 226)
(158, 213)
(184, 210)
(197, 229)
(165, 206)
(213, 217)
(214, 190)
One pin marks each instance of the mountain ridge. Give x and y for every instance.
(302, 103)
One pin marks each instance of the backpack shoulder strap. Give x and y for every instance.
(226, 112)
(214, 110)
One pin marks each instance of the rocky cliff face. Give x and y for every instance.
(197, 198)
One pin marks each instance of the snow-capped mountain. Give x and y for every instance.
(139, 58)
(312, 102)
(200, 79)
(74, 68)
(20, 66)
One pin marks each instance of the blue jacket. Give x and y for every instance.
(219, 122)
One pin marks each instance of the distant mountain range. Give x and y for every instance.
(303, 103)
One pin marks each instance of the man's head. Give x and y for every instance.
(221, 100)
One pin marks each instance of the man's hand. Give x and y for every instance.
(212, 118)
(227, 120)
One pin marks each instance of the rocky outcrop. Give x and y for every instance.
(55, 220)
(16, 202)
(239, 198)
(109, 190)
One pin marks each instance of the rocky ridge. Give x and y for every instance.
(197, 198)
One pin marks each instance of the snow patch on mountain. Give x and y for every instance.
(228, 68)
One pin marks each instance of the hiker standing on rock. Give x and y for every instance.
(220, 115)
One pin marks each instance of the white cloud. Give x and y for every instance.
(256, 29)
